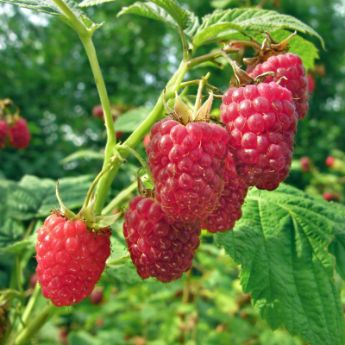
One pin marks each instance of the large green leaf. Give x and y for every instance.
(281, 244)
(89, 3)
(221, 24)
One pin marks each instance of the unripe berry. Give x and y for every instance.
(305, 164)
(97, 111)
(330, 161)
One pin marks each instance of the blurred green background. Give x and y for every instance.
(45, 71)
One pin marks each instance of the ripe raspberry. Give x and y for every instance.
(288, 68)
(330, 196)
(158, 248)
(229, 208)
(311, 83)
(305, 164)
(187, 164)
(97, 111)
(3, 133)
(70, 258)
(19, 134)
(330, 161)
(261, 120)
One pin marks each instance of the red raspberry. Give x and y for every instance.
(158, 248)
(330, 161)
(305, 164)
(4, 130)
(97, 111)
(261, 120)
(288, 68)
(187, 164)
(71, 259)
(311, 83)
(330, 196)
(229, 208)
(19, 134)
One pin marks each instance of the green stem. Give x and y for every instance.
(34, 326)
(120, 197)
(30, 306)
(139, 133)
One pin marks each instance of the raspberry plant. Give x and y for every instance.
(288, 245)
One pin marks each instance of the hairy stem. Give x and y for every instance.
(34, 326)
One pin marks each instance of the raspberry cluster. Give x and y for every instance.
(70, 258)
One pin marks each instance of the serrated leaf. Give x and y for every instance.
(130, 120)
(180, 15)
(281, 244)
(221, 24)
(89, 3)
(45, 6)
(148, 10)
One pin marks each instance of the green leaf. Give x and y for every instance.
(223, 23)
(166, 11)
(83, 154)
(337, 247)
(46, 6)
(89, 3)
(180, 15)
(148, 10)
(281, 244)
(19, 246)
(130, 120)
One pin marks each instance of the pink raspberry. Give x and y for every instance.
(158, 248)
(187, 164)
(97, 111)
(4, 131)
(229, 208)
(289, 70)
(330, 160)
(305, 164)
(19, 134)
(261, 120)
(311, 83)
(70, 258)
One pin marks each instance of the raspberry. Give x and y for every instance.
(158, 248)
(311, 83)
(305, 164)
(229, 208)
(261, 120)
(71, 259)
(96, 296)
(19, 134)
(288, 68)
(330, 196)
(187, 164)
(97, 111)
(330, 160)
(3, 133)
